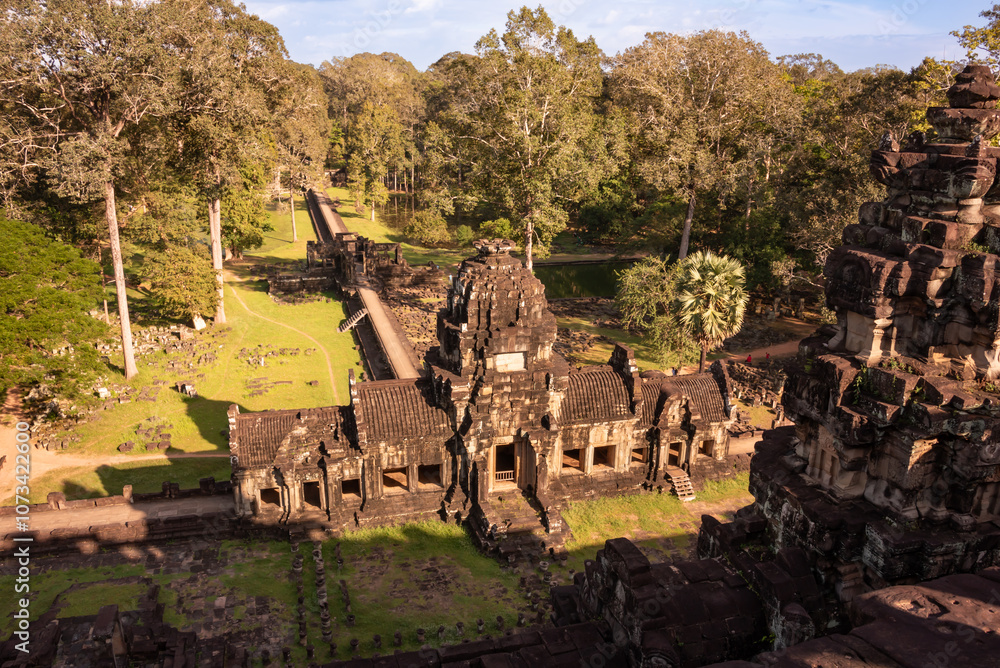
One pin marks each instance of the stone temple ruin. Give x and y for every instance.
(874, 537)
(891, 475)
(498, 429)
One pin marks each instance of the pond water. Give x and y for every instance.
(580, 280)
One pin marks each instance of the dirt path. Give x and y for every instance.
(798, 328)
(329, 367)
(44, 461)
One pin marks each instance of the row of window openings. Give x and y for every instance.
(394, 481)
(572, 460)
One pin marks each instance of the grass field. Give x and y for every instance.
(145, 476)
(381, 232)
(660, 524)
(278, 244)
(198, 424)
(600, 353)
(47, 585)
(417, 576)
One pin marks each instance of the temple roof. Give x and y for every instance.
(400, 409)
(260, 435)
(596, 393)
(703, 389)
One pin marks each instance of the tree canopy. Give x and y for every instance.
(46, 291)
(523, 122)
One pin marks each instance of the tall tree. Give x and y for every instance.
(376, 101)
(166, 250)
(708, 110)
(84, 78)
(525, 123)
(711, 298)
(647, 301)
(46, 289)
(234, 61)
(302, 126)
(826, 175)
(373, 143)
(983, 44)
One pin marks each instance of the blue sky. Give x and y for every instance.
(851, 33)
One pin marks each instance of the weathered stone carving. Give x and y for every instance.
(496, 414)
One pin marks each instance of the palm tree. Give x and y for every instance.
(711, 298)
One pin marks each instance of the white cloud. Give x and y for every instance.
(853, 33)
(419, 6)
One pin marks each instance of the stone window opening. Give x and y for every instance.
(394, 481)
(351, 489)
(572, 461)
(504, 463)
(311, 496)
(639, 455)
(604, 458)
(429, 475)
(707, 448)
(270, 496)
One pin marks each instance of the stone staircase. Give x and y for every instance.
(352, 321)
(518, 525)
(680, 483)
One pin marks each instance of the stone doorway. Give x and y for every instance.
(505, 465)
(674, 454)
(311, 496)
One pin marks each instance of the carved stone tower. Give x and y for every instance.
(496, 335)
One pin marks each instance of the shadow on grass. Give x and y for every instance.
(211, 418)
(148, 477)
(74, 490)
(419, 575)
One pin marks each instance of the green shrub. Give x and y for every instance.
(429, 228)
(501, 228)
(464, 235)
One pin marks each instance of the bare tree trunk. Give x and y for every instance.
(104, 282)
(529, 233)
(215, 232)
(111, 214)
(704, 354)
(291, 204)
(686, 234)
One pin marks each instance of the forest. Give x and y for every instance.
(141, 142)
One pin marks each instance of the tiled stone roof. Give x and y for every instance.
(703, 390)
(260, 435)
(400, 409)
(650, 400)
(595, 394)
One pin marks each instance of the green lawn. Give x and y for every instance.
(278, 245)
(196, 424)
(381, 232)
(47, 585)
(600, 353)
(145, 476)
(660, 524)
(89, 600)
(760, 416)
(199, 424)
(414, 576)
